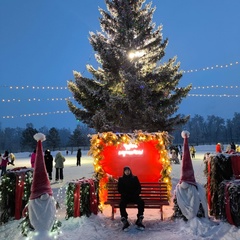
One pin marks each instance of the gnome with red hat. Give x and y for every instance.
(188, 192)
(41, 206)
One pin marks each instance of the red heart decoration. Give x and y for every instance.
(143, 159)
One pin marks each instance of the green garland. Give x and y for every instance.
(70, 200)
(221, 170)
(7, 195)
(84, 199)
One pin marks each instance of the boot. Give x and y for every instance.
(139, 223)
(125, 224)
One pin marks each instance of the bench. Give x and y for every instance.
(154, 194)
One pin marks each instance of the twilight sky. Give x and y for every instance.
(43, 41)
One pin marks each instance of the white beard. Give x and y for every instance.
(189, 198)
(42, 213)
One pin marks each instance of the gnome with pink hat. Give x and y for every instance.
(41, 206)
(188, 192)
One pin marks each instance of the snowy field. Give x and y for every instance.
(101, 227)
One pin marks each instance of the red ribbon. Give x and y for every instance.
(93, 199)
(235, 160)
(209, 197)
(227, 207)
(77, 199)
(19, 191)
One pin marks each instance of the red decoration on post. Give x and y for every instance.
(77, 196)
(93, 203)
(235, 160)
(93, 198)
(227, 206)
(19, 191)
(209, 197)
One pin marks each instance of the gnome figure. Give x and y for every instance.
(41, 206)
(189, 193)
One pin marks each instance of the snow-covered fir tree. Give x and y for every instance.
(132, 88)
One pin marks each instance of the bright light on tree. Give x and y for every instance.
(136, 54)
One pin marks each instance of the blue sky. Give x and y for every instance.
(42, 42)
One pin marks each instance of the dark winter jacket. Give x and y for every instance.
(79, 154)
(48, 161)
(129, 187)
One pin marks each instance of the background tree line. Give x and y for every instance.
(21, 140)
(211, 130)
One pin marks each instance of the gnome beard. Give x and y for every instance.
(42, 213)
(189, 198)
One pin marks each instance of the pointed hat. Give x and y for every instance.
(187, 167)
(41, 183)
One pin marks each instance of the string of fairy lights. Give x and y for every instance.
(212, 67)
(64, 88)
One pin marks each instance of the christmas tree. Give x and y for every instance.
(131, 88)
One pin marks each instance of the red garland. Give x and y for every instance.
(77, 196)
(19, 191)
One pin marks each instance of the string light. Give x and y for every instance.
(35, 99)
(37, 114)
(33, 87)
(213, 95)
(216, 86)
(211, 68)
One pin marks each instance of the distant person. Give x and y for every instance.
(233, 146)
(192, 151)
(180, 151)
(5, 160)
(12, 159)
(67, 152)
(229, 149)
(79, 155)
(218, 148)
(238, 148)
(33, 158)
(48, 158)
(59, 165)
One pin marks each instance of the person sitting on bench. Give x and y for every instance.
(130, 188)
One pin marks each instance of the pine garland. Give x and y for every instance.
(85, 199)
(221, 170)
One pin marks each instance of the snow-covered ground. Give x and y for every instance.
(101, 227)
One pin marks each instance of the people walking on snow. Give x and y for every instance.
(12, 159)
(79, 155)
(59, 165)
(5, 160)
(48, 158)
(218, 148)
(130, 188)
(192, 151)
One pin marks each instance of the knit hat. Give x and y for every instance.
(41, 183)
(187, 167)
